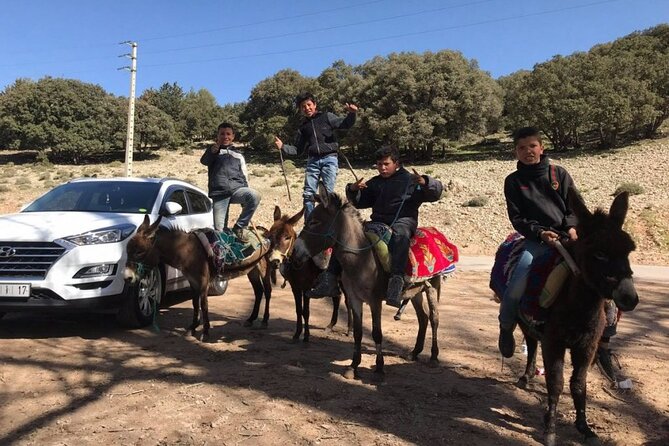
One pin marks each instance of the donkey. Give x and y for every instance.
(576, 319)
(300, 275)
(335, 223)
(152, 245)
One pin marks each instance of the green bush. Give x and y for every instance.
(476, 202)
(5, 188)
(631, 188)
(289, 166)
(278, 182)
(22, 180)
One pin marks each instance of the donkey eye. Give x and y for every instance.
(601, 257)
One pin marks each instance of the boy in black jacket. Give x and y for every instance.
(394, 195)
(228, 181)
(536, 201)
(317, 138)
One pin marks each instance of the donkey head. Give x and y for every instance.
(318, 233)
(282, 236)
(140, 249)
(603, 250)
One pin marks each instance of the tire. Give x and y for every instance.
(2, 315)
(137, 311)
(218, 286)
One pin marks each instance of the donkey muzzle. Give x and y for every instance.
(625, 295)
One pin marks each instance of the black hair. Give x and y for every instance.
(305, 96)
(387, 151)
(525, 132)
(225, 125)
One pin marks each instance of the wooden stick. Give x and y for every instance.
(283, 170)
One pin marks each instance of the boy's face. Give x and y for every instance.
(387, 167)
(308, 108)
(225, 136)
(529, 150)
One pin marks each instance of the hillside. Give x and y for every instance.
(476, 230)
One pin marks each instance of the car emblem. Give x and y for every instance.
(7, 251)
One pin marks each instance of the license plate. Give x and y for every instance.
(15, 290)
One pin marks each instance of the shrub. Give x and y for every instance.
(22, 180)
(631, 188)
(277, 182)
(5, 188)
(45, 176)
(289, 166)
(187, 151)
(476, 202)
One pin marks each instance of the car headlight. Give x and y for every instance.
(112, 234)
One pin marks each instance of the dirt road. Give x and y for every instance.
(80, 380)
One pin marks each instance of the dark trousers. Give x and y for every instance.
(400, 242)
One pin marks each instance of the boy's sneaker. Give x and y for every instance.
(506, 342)
(394, 293)
(608, 364)
(327, 284)
(241, 234)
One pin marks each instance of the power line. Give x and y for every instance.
(395, 36)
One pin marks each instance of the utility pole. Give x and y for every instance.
(131, 106)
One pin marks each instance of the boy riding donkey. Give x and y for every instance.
(394, 195)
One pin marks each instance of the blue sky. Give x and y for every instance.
(227, 47)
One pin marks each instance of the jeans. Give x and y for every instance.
(324, 168)
(508, 310)
(247, 197)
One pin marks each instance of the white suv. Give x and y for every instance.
(67, 249)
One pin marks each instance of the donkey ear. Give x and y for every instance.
(277, 213)
(151, 231)
(575, 202)
(618, 210)
(145, 224)
(322, 194)
(295, 218)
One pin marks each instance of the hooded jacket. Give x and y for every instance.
(226, 171)
(316, 135)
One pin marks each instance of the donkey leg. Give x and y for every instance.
(377, 335)
(190, 331)
(336, 301)
(204, 302)
(554, 364)
(254, 278)
(305, 312)
(432, 304)
(297, 295)
(421, 315)
(267, 288)
(578, 388)
(356, 310)
(531, 365)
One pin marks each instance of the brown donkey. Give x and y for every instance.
(337, 224)
(576, 319)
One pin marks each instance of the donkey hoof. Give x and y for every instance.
(248, 323)
(190, 333)
(522, 383)
(329, 329)
(350, 373)
(204, 337)
(592, 441)
(263, 325)
(433, 363)
(549, 439)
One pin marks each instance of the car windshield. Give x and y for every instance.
(98, 196)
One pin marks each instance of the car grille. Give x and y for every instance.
(28, 260)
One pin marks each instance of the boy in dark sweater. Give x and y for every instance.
(316, 136)
(536, 201)
(394, 195)
(228, 181)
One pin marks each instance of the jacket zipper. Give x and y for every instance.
(318, 147)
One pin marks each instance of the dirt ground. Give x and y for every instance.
(80, 379)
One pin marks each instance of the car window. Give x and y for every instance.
(179, 197)
(199, 203)
(98, 196)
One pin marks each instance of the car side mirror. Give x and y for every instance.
(171, 208)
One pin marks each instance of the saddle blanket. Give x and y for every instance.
(544, 281)
(430, 254)
(227, 252)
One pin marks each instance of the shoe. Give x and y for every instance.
(506, 343)
(608, 364)
(327, 284)
(394, 293)
(241, 234)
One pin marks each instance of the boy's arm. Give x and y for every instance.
(300, 142)
(209, 155)
(242, 162)
(337, 122)
(432, 189)
(362, 198)
(528, 228)
(570, 219)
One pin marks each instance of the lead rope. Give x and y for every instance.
(568, 258)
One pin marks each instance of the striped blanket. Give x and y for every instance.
(227, 252)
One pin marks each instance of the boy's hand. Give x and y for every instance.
(278, 142)
(351, 108)
(572, 234)
(549, 237)
(418, 178)
(215, 148)
(360, 184)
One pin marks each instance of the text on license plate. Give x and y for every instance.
(14, 290)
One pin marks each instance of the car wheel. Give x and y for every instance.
(2, 315)
(137, 311)
(218, 286)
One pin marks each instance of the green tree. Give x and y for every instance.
(200, 115)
